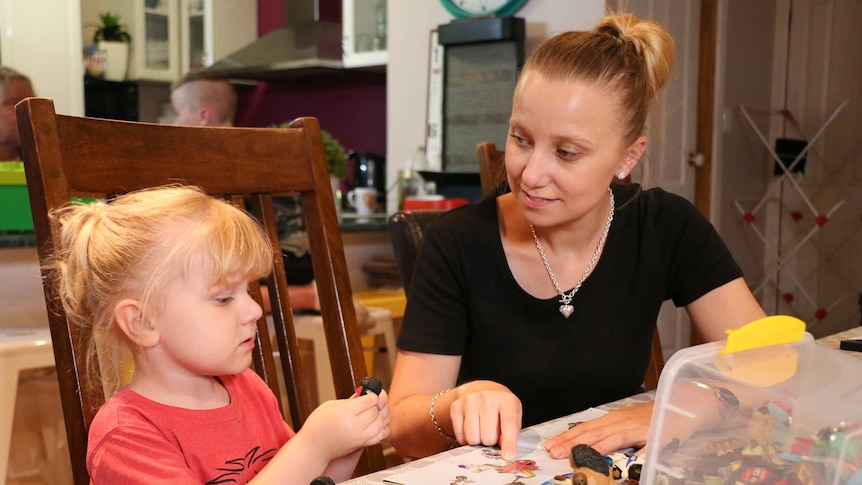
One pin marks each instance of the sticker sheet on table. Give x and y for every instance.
(483, 465)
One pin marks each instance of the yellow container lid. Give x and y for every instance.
(12, 173)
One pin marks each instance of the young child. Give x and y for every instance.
(164, 274)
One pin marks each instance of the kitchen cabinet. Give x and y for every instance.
(172, 37)
(364, 31)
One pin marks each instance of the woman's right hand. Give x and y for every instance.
(478, 412)
(487, 413)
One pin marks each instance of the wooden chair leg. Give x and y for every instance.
(656, 363)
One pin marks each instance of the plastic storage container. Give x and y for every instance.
(789, 413)
(14, 198)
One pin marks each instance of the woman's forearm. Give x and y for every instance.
(422, 424)
(412, 431)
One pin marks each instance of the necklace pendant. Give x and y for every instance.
(566, 310)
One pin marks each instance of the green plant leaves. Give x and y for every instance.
(111, 29)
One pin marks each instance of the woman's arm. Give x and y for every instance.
(478, 412)
(415, 381)
(727, 307)
(302, 297)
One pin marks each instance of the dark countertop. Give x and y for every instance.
(350, 223)
(17, 239)
(26, 239)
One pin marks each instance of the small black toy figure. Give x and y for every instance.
(590, 467)
(371, 384)
(322, 480)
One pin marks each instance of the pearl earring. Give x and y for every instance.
(621, 175)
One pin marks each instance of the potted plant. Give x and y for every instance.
(336, 157)
(112, 38)
(336, 163)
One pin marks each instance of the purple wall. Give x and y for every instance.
(349, 105)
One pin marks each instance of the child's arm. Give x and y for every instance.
(330, 441)
(344, 466)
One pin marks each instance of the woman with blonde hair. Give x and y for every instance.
(540, 302)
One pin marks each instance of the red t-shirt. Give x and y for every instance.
(136, 440)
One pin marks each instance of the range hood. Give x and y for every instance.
(304, 46)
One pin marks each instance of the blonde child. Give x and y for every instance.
(164, 274)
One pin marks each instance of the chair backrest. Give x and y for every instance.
(406, 229)
(67, 156)
(491, 165)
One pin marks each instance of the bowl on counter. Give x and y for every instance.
(432, 202)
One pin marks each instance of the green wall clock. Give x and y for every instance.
(481, 8)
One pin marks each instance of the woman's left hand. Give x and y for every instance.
(623, 428)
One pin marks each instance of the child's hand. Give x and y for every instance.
(338, 428)
(383, 408)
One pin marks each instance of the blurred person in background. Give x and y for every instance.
(206, 98)
(14, 87)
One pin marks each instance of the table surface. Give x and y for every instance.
(378, 477)
(832, 341)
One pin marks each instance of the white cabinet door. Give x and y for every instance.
(156, 50)
(213, 29)
(172, 37)
(364, 32)
(154, 26)
(672, 133)
(46, 47)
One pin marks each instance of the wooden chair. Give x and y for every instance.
(491, 166)
(69, 156)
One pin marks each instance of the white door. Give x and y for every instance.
(671, 129)
(46, 47)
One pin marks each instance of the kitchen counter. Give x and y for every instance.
(351, 223)
(15, 239)
(26, 239)
(22, 301)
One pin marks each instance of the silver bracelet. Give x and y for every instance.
(452, 441)
(724, 395)
(729, 401)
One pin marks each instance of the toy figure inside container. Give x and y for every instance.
(755, 409)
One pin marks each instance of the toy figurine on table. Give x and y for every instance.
(590, 467)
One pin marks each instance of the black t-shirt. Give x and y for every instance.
(465, 301)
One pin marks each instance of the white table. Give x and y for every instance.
(20, 349)
(834, 341)
(377, 478)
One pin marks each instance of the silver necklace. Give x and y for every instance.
(566, 307)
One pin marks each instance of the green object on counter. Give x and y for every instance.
(14, 200)
(15, 214)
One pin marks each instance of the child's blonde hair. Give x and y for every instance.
(134, 246)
